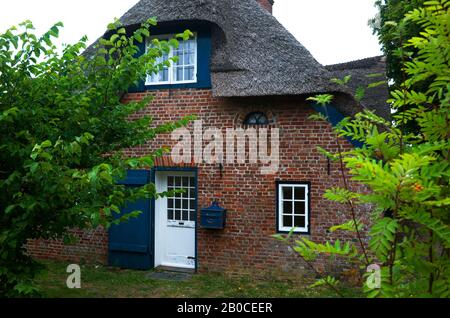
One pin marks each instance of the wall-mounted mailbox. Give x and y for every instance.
(214, 217)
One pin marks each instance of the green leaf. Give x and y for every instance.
(348, 226)
(343, 81)
(377, 84)
(322, 99)
(340, 195)
(9, 209)
(279, 237)
(327, 281)
(46, 144)
(114, 38)
(360, 94)
(382, 237)
(434, 224)
(139, 38)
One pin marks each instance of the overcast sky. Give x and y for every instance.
(333, 30)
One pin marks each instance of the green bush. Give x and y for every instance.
(407, 173)
(63, 129)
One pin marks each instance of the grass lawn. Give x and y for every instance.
(99, 282)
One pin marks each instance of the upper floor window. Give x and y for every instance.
(181, 72)
(256, 118)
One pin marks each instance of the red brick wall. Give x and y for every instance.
(248, 195)
(246, 244)
(92, 247)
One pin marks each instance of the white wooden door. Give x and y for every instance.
(175, 217)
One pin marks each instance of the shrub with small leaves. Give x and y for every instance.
(407, 174)
(63, 130)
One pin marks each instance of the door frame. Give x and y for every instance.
(153, 205)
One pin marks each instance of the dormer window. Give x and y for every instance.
(181, 72)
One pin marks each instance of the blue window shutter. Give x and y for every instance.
(140, 87)
(131, 243)
(203, 59)
(334, 117)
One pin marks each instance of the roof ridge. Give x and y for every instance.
(356, 64)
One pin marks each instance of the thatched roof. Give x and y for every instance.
(365, 72)
(253, 54)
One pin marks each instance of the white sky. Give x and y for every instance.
(333, 30)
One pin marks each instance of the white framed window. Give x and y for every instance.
(181, 72)
(293, 207)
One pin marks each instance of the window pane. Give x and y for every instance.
(185, 204)
(185, 215)
(170, 181)
(161, 76)
(191, 182)
(164, 75)
(299, 221)
(178, 54)
(170, 203)
(287, 207)
(178, 74)
(154, 78)
(189, 73)
(287, 221)
(300, 193)
(299, 208)
(192, 193)
(178, 203)
(192, 216)
(185, 182)
(287, 193)
(178, 182)
(175, 75)
(189, 58)
(170, 215)
(178, 215)
(190, 45)
(256, 118)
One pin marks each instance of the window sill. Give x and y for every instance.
(169, 84)
(303, 232)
